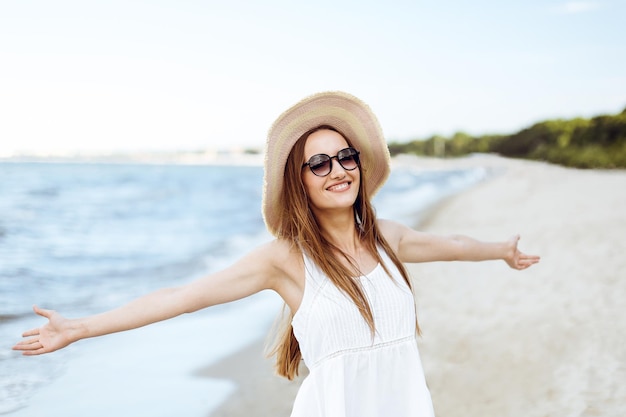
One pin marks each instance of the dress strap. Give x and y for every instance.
(314, 277)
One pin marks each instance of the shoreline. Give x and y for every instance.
(260, 392)
(496, 341)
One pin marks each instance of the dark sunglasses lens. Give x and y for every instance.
(348, 158)
(320, 165)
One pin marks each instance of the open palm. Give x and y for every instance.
(45, 339)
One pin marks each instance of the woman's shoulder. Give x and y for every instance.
(281, 253)
(389, 228)
(392, 231)
(283, 247)
(287, 268)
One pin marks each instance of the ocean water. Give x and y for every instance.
(82, 238)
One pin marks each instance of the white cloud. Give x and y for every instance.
(574, 7)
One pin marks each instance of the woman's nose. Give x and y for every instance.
(336, 170)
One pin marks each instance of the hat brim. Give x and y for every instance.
(346, 113)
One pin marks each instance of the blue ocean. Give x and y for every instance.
(81, 238)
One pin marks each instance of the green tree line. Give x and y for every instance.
(599, 142)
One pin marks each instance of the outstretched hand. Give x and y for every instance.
(47, 338)
(518, 260)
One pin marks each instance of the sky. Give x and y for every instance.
(111, 76)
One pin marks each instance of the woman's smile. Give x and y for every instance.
(342, 186)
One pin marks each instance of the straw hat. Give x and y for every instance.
(340, 110)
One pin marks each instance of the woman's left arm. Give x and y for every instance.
(413, 246)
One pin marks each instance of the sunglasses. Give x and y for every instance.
(322, 164)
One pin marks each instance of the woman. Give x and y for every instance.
(338, 268)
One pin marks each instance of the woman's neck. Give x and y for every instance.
(340, 229)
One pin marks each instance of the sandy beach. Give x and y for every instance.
(549, 341)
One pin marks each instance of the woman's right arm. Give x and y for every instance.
(258, 270)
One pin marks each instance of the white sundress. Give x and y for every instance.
(352, 374)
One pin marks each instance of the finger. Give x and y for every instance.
(34, 352)
(32, 332)
(26, 348)
(523, 264)
(528, 260)
(29, 345)
(42, 312)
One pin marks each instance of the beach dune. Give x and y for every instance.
(548, 341)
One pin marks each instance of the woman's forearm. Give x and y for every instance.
(469, 249)
(151, 308)
(474, 250)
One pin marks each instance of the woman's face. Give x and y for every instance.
(337, 190)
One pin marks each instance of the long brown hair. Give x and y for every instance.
(299, 226)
